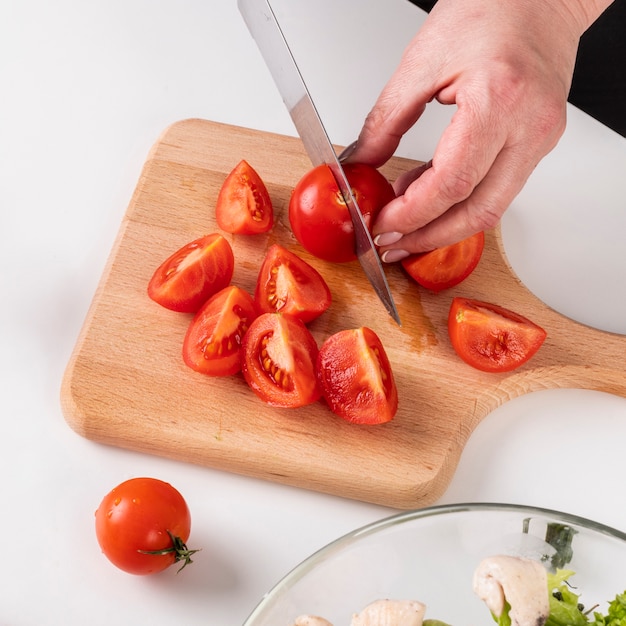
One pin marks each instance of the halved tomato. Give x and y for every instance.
(490, 337)
(355, 377)
(279, 355)
(212, 344)
(448, 266)
(243, 204)
(185, 280)
(288, 284)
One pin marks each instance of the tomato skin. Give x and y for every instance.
(288, 284)
(319, 217)
(244, 206)
(490, 337)
(136, 517)
(279, 356)
(355, 377)
(212, 344)
(447, 266)
(187, 278)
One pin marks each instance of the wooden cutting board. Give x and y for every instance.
(126, 384)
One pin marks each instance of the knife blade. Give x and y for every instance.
(266, 31)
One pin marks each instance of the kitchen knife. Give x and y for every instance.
(265, 29)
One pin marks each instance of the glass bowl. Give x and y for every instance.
(430, 555)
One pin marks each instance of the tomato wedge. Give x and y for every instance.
(288, 284)
(448, 266)
(279, 355)
(185, 280)
(490, 337)
(212, 344)
(355, 377)
(243, 204)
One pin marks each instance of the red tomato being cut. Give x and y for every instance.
(318, 214)
(448, 266)
(355, 377)
(279, 355)
(288, 284)
(142, 526)
(186, 280)
(490, 337)
(243, 205)
(212, 344)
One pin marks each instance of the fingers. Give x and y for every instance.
(481, 210)
(463, 158)
(399, 106)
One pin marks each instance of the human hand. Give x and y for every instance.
(507, 66)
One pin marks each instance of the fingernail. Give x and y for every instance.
(345, 154)
(391, 256)
(386, 239)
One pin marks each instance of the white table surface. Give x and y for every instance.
(85, 90)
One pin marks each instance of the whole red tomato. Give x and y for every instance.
(319, 217)
(142, 526)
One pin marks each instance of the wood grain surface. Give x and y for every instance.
(126, 384)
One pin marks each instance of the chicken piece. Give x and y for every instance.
(390, 613)
(311, 620)
(520, 582)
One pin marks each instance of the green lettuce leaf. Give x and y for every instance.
(565, 609)
(616, 615)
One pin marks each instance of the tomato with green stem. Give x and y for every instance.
(142, 526)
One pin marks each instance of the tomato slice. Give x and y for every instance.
(288, 284)
(355, 377)
(279, 355)
(243, 204)
(490, 337)
(185, 280)
(447, 266)
(319, 217)
(212, 344)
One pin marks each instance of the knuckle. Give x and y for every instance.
(484, 217)
(458, 185)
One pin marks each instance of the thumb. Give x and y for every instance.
(396, 110)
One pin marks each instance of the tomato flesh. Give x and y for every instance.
(490, 337)
(140, 516)
(244, 206)
(447, 266)
(355, 377)
(212, 344)
(278, 363)
(186, 279)
(288, 284)
(319, 217)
